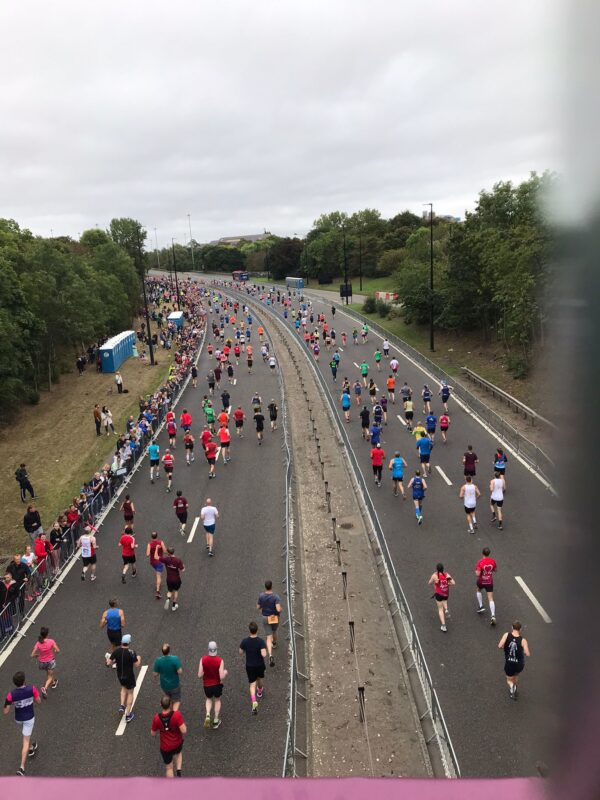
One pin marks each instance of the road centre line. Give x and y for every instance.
(444, 476)
(401, 420)
(356, 365)
(190, 538)
(538, 606)
(138, 684)
(477, 419)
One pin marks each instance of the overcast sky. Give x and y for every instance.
(252, 115)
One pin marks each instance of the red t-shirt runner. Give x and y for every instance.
(211, 450)
(127, 542)
(377, 456)
(211, 666)
(154, 545)
(168, 459)
(205, 438)
(180, 504)
(224, 435)
(186, 419)
(168, 725)
(238, 415)
(486, 568)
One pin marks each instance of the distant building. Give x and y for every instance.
(448, 217)
(234, 241)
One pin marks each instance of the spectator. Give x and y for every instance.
(98, 420)
(119, 382)
(24, 484)
(32, 521)
(107, 420)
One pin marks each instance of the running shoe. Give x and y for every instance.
(32, 749)
(92, 578)
(259, 693)
(216, 723)
(121, 708)
(255, 707)
(420, 520)
(481, 609)
(129, 717)
(21, 771)
(167, 603)
(207, 721)
(54, 684)
(44, 693)
(271, 661)
(175, 607)
(443, 628)
(493, 621)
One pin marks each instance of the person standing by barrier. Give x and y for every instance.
(516, 649)
(22, 479)
(171, 728)
(44, 650)
(22, 697)
(442, 581)
(212, 672)
(98, 420)
(113, 619)
(32, 522)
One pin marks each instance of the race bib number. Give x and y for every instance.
(272, 619)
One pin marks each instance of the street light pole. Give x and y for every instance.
(431, 338)
(191, 241)
(147, 313)
(175, 271)
(156, 249)
(360, 259)
(345, 266)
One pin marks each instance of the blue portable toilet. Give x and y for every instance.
(117, 350)
(177, 318)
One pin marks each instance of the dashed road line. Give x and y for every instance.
(190, 538)
(444, 476)
(401, 420)
(536, 603)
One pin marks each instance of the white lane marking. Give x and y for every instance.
(444, 476)
(341, 349)
(190, 538)
(533, 599)
(356, 365)
(138, 684)
(235, 381)
(218, 454)
(459, 402)
(401, 420)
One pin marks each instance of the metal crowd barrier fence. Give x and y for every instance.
(45, 574)
(433, 708)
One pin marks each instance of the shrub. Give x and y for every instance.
(518, 366)
(370, 305)
(383, 308)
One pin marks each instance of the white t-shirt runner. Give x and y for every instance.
(209, 515)
(470, 496)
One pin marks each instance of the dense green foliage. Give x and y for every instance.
(56, 297)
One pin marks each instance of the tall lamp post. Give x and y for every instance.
(345, 265)
(142, 272)
(431, 339)
(175, 271)
(191, 241)
(360, 259)
(156, 249)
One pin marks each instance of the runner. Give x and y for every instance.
(469, 493)
(396, 466)
(273, 412)
(391, 389)
(484, 570)
(23, 696)
(409, 413)
(44, 650)
(430, 426)
(212, 671)
(377, 458)
(470, 462)
(211, 452)
(226, 401)
(272, 362)
(127, 544)
(364, 422)
(386, 348)
(239, 417)
(354, 336)
(210, 378)
(373, 389)
(154, 456)
(394, 364)
(364, 371)
(515, 648)
(155, 549)
(167, 668)
(249, 358)
(419, 487)
(172, 432)
(209, 515)
(87, 542)
(346, 403)
(209, 413)
(126, 660)
(425, 446)
(344, 338)
(377, 356)
(188, 443)
(375, 433)
(333, 365)
(445, 394)
(255, 650)
(442, 581)
(205, 437)
(426, 395)
(113, 619)
(225, 439)
(174, 567)
(128, 509)
(405, 391)
(270, 606)
(444, 425)
(500, 460)
(185, 420)
(170, 726)
(181, 505)
(357, 391)
(194, 372)
(259, 420)
(497, 487)
(168, 461)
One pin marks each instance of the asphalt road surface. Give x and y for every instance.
(492, 735)
(76, 727)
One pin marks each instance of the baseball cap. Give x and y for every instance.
(212, 648)
(126, 639)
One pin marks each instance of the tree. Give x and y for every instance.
(129, 234)
(94, 237)
(284, 258)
